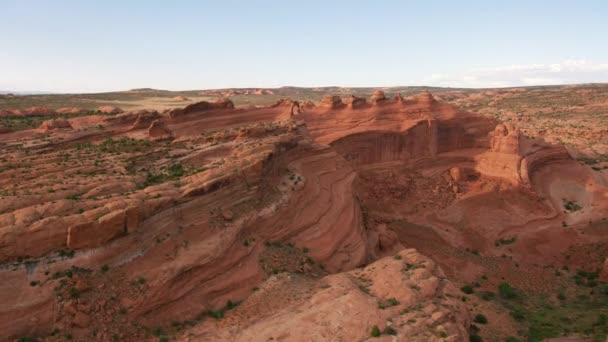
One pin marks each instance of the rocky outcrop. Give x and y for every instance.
(138, 119)
(202, 106)
(54, 124)
(144, 119)
(331, 102)
(354, 102)
(159, 131)
(346, 306)
(426, 98)
(377, 97)
(515, 158)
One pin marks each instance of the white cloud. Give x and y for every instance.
(565, 72)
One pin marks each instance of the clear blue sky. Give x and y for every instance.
(102, 45)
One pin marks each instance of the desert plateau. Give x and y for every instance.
(432, 216)
(303, 171)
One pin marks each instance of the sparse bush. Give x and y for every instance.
(506, 291)
(475, 338)
(572, 206)
(390, 330)
(481, 319)
(468, 289)
(375, 331)
(74, 293)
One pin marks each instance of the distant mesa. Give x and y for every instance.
(144, 90)
(235, 92)
(109, 110)
(180, 98)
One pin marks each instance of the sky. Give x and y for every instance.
(93, 46)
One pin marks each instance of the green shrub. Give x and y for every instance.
(468, 289)
(74, 293)
(390, 331)
(481, 319)
(506, 291)
(475, 338)
(375, 331)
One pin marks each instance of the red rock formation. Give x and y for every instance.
(377, 97)
(354, 102)
(180, 98)
(144, 119)
(243, 194)
(158, 131)
(306, 310)
(331, 102)
(53, 124)
(515, 157)
(202, 106)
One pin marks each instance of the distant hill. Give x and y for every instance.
(28, 92)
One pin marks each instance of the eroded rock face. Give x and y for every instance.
(202, 106)
(515, 157)
(377, 97)
(144, 119)
(301, 206)
(352, 302)
(53, 124)
(354, 102)
(158, 131)
(331, 102)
